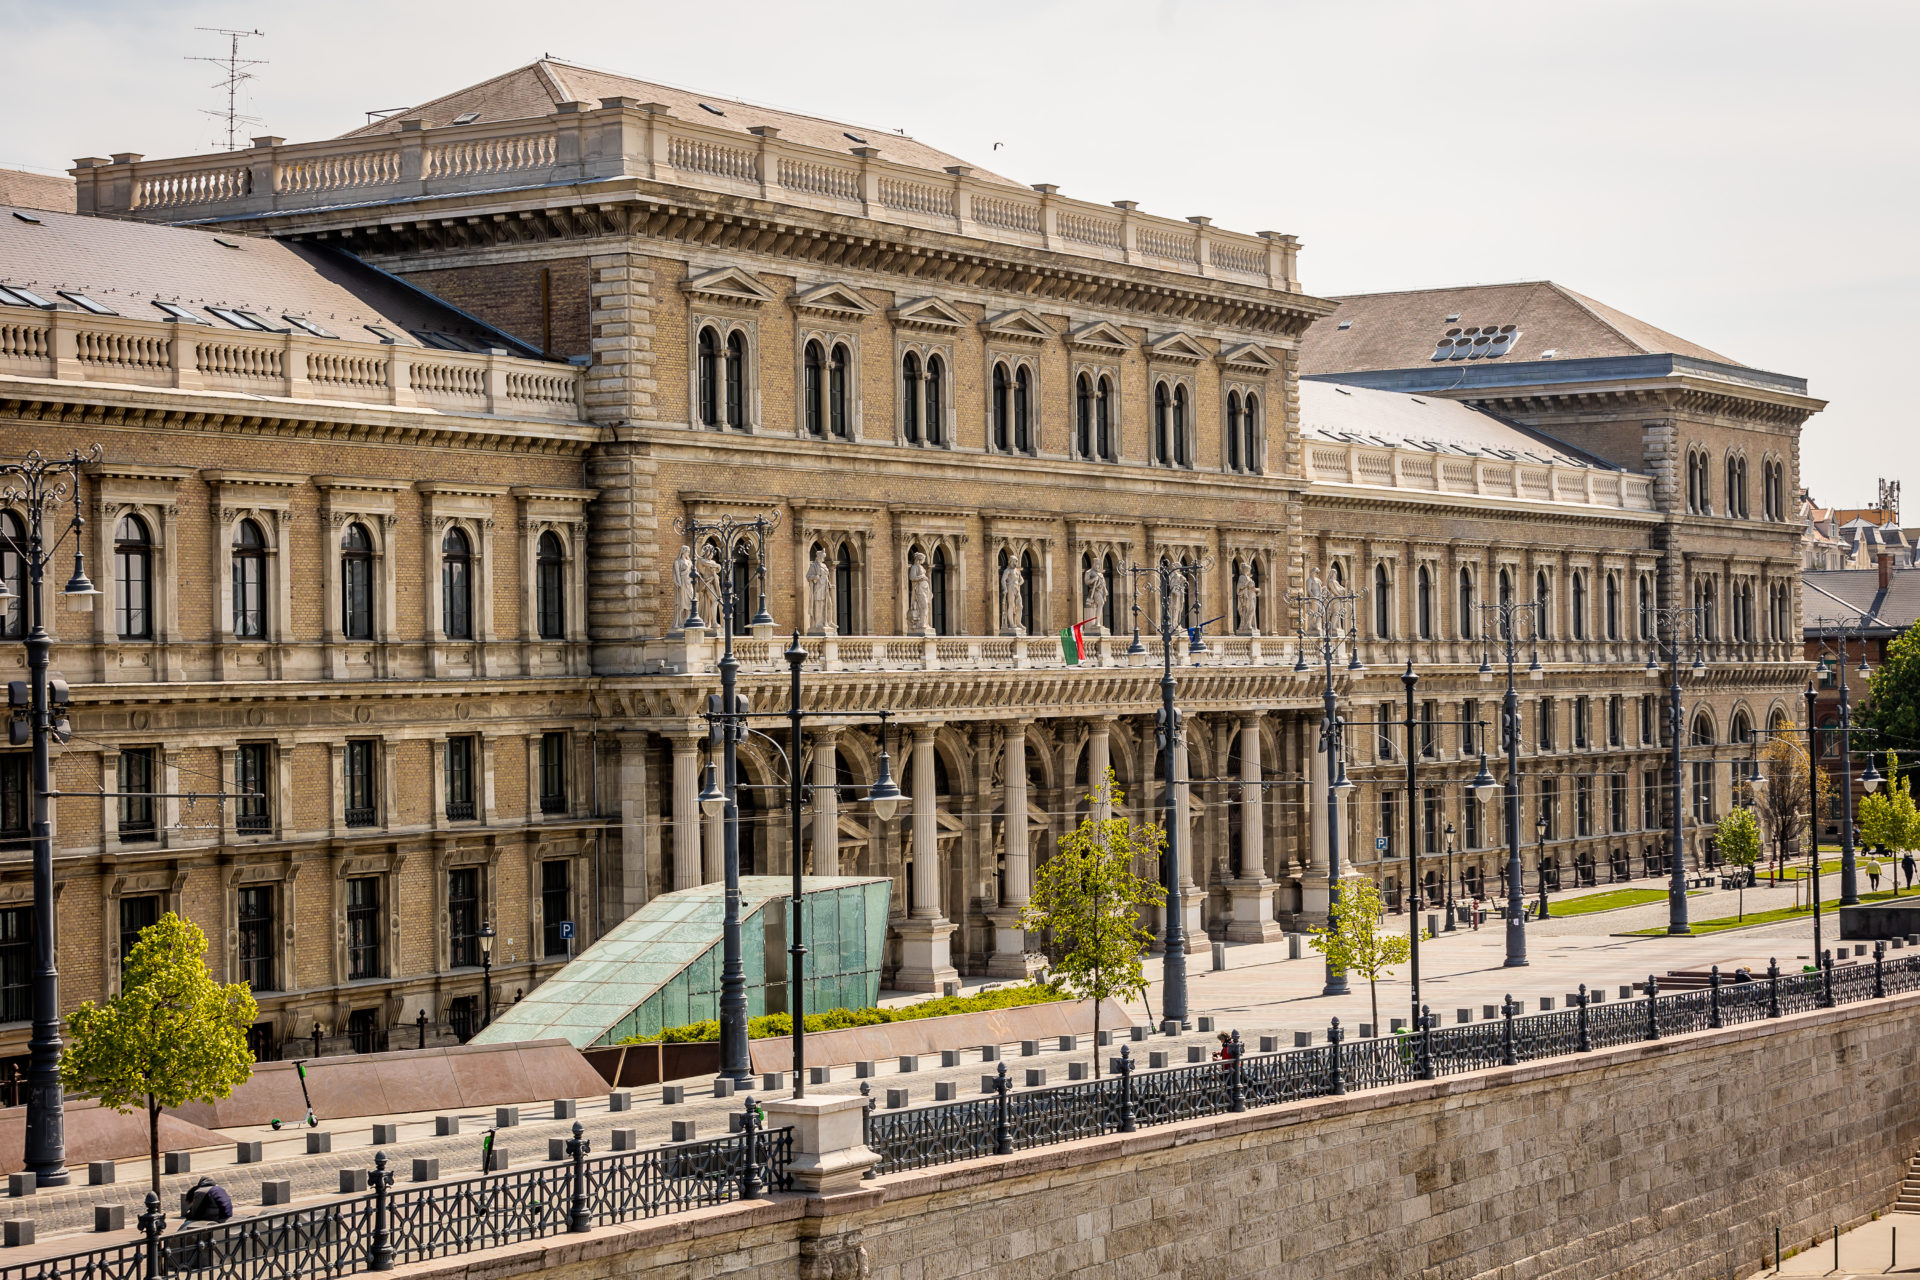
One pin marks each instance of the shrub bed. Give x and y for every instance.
(781, 1024)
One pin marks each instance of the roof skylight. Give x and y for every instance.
(1479, 342)
(717, 111)
(307, 326)
(85, 303)
(466, 117)
(26, 217)
(177, 312)
(239, 319)
(15, 296)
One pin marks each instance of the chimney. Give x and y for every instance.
(1886, 570)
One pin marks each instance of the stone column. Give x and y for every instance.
(826, 803)
(1315, 887)
(926, 962)
(1250, 894)
(1099, 760)
(1009, 959)
(686, 811)
(633, 826)
(1191, 899)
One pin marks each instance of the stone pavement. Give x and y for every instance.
(1890, 1245)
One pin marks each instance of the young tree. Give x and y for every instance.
(1357, 940)
(1888, 818)
(1738, 838)
(1087, 900)
(172, 1036)
(1783, 793)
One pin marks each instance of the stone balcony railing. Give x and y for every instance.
(1430, 472)
(625, 138)
(74, 346)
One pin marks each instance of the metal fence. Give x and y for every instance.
(375, 1231)
(1005, 1121)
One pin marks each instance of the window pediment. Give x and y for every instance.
(928, 313)
(728, 284)
(1178, 346)
(1250, 356)
(833, 299)
(1018, 325)
(1098, 335)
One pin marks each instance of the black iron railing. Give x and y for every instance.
(1004, 1121)
(373, 1232)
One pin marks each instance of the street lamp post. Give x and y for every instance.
(1328, 617)
(1842, 632)
(1500, 625)
(1450, 923)
(1665, 621)
(486, 973)
(1173, 958)
(1540, 824)
(728, 536)
(37, 485)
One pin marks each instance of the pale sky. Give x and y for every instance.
(1741, 173)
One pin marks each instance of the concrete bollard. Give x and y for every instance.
(1036, 1077)
(897, 1098)
(446, 1126)
(722, 1087)
(945, 1091)
(1196, 1053)
(909, 1062)
(1139, 1034)
(626, 1139)
(1105, 1039)
(1076, 1071)
(1596, 993)
(17, 1232)
(352, 1181)
(109, 1217)
(1302, 1039)
(1067, 1044)
(426, 1169)
(1396, 1024)
(319, 1141)
(1366, 1031)
(1546, 1004)
(1463, 1015)
(506, 1117)
(673, 1095)
(864, 1069)
(772, 1081)
(556, 1150)
(1296, 945)
(1029, 1048)
(1269, 1044)
(1170, 1027)
(101, 1173)
(1488, 1012)
(385, 1135)
(1156, 1059)
(496, 1159)
(1219, 957)
(248, 1152)
(819, 1075)
(182, 1161)
(684, 1131)
(949, 1057)
(276, 1191)
(1203, 1023)
(1571, 1000)
(21, 1184)
(620, 1101)
(989, 1053)
(564, 1108)
(987, 1084)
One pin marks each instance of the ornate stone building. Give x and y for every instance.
(971, 405)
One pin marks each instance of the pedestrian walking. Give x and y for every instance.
(1906, 865)
(1873, 875)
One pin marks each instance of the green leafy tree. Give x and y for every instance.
(1784, 794)
(1357, 939)
(172, 1036)
(1087, 901)
(1889, 817)
(1738, 839)
(1893, 698)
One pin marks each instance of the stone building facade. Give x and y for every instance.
(914, 365)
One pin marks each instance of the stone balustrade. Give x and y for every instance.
(1426, 471)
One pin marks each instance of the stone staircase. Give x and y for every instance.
(1909, 1199)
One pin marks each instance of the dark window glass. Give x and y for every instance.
(556, 904)
(13, 572)
(463, 916)
(839, 411)
(1109, 447)
(133, 580)
(256, 938)
(1423, 603)
(136, 809)
(249, 582)
(253, 779)
(16, 964)
(16, 807)
(737, 381)
(550, 593)
(936, 379)
(843, 591)
(362, 794)
(813, 390)
(363, 928)
(709, 378)
(1107, 611)
(1002, 393)
(910, 397)
(463, 1017)
(553, 773)
(363, 1030)
(1182, 446)
(356, 584)
(459, 779)
(937, 583)
(743, 590)
(456, 585)
(136, 913)
(1233, 431)
(1026, 590)
(1466, 618)
(1250, 423)
(1083, 417)
(1023, 441)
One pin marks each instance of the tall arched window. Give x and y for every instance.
(1646, 606)
(456, 585)
(814, 386)
(1182, 445)
(1250, 426)
(1466, 618)
(1506, 587)
(13, 573)
(1191, 614)
(1382, 604)
(1026, 590)
(1233, 430)
(1423, 603)
(937, 583)
(1579, 603)
(910, 397)
(743, 590)
(839, 411)
(549, 587)
(737, 380)
(1107, 440)
(936, 382)
(249, 582)
(1542, 594)
(133, 580)
(843, 591)
(1083, 417)
(1703, 801)
(1023, 433)
(709, 377)
(356, 583)
(1613, 606)
(1162, 424)
(1108, 610)
(1002, 408)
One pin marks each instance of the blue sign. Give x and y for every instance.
(1379, 843)
(566, 928)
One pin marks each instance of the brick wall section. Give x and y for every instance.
(1673, 1159)
(507, 295)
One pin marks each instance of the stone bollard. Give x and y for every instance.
(1396, 1024)
(819, 1075)
(772, 1081)
(385, 1135)
(1366, 1031)
(352, 1181)
(426, 1169)
(1303, 1039)
(620, 1101)
(987, 1084)
(556, 1150)
(1140, 1034)
(1076, 1071)
(1488, 1012)
(626, 1139)
(17, 1232)
(182, 1161)
(864, 1069)
(1269, 1044)
(101, 1173)
(1296, 945)
(109, 1217)
(248, 1152)
(319, 1141)
(1196, 1053)
(1067, 1044)
(506, 1117)
(672, 1095)
(1219, 957)
(989, 1053)
(1170, 1027)
(275, 1191)
(909, 1062)
(1156, 1059)
(945, 1091)
(949, 1057)
(683, 1131)
(897, 1098)
(446, 1126)
(1204, 1023)
(1104, 1040)
(1036, 1077)
(1546, 1004)
(722, 1087)
(21, 1184)
(564, 1108)
(829, 1147)
(1463, 1015)
(1029, 1048)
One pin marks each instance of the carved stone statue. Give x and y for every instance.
(682, 588)
(1013, 619)
(820, 594)
(707, 575)
(1177, 598)
(1247, 597)
(1094, 587)
(919, 596)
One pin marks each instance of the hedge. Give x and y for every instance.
(781, 1024)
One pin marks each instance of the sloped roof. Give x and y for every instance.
(1402, 330)
(36, 191)
(534, 90)
(128, 266)
(1834, 592)
(1362, 415)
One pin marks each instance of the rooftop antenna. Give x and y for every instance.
(237, 75)
(1890, 500)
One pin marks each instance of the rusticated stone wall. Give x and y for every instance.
(1671, 1159)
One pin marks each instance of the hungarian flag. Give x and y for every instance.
(1073, 643)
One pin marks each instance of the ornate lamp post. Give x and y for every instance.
(1327, 617)
(1501, 627)
(1182, 582)
(1838, 634)
(39, 485)
(725, 714)
(1667, 644)
(486, 973)
(1541, 822)
(1450, 924)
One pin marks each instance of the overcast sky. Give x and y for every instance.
(1740, 173)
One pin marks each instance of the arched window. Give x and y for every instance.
(1703, 801)
(1002, 409)
(13, 573)
(937, 583)
(1646, 606)
(1613, 606)
(1023, 433)
(356, 583)
(456, 585)
(936, 380)
(1542, 594)
(1506, 586)
(249, 582)
(133, 580)
(1467, 602)
(1026, 590)
(814, 387)
(1250, 424)
(1579, 602)
(1182, 445)
(843, 591)
(839, 413)
(1423, 603)
(1083, 417)
(549, 587)
(1108, 445)
(1162, 424)
(1107, 611)
(1338, 573)
(743, 590)
(1191, 613)
(1740, 731)
(910, 397)
(1233, 430)
(709, 377)
(1382, 604)
(737, 380)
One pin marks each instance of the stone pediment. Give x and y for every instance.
(1100, 336)
(728, 284)
(1250, 356)
(1178, 346)
(928, 313)
(833, 299)
(1019, 325)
